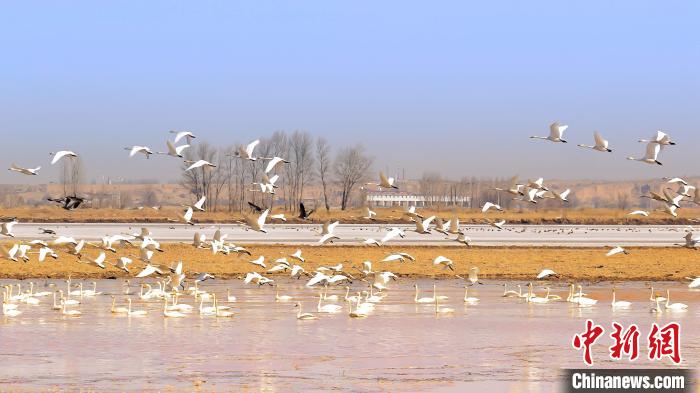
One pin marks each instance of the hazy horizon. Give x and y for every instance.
(452, 87)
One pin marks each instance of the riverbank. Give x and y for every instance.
(512, 263)
(53, 214)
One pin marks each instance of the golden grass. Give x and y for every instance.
(502, 263)
(384, 215)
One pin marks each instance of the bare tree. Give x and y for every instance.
(149, 198)
(205, 181)
(302, 160)
(125, 199)
(351, 166)
(72, 175)
(623, 201)
(323, 164)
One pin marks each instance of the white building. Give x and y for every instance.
(400, 198)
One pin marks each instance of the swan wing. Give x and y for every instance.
(200, 202)
(263, 217)
(251, 146)
(188, 214)
(599, 141)
(653, 150)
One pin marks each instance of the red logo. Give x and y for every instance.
(663, 342)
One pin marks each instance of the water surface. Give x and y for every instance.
(501, 344)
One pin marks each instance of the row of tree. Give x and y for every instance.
(230, 184)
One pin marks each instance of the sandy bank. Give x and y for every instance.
(497, 263)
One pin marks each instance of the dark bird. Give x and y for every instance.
(69, 202)
(303, 214)
(255, 208)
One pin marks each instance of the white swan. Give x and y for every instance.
(326, 297)
(442, 310)
(134, 313)
(546, 273)
(274, 162)
(198, 164)
(653, 297)
(489, 205)
(445, 262)
(220, 313)
(117, 310)
(134, 150)
(281, 298)
(258, 224)
(509, 293)
(171, 314)
(11, 312)
(25, 171)
(619, 304)
(70, 313)
(181, 306)
(639, 213)
(582, 300)
(230, 298)
(174, 151)
(532, 298)
(328, 308)
(93, 291)
(303, 315)
(60, 154)
(423, 227)
(600, 143)
(660, 138)
(247, 152)
(417, 299)
(371, 297)
(651, 156)
(616, 250)
(674, 306)
(349, 298)
(183, 134)
(497, 224)
(358, 312)
(556, 131)
(467, 298)
(6, 306)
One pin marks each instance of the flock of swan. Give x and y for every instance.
(173, 283)
(356, 302)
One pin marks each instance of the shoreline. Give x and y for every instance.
(395, 215)
(235, 219)
(506, 263)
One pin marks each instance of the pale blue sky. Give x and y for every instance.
(450, 86)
